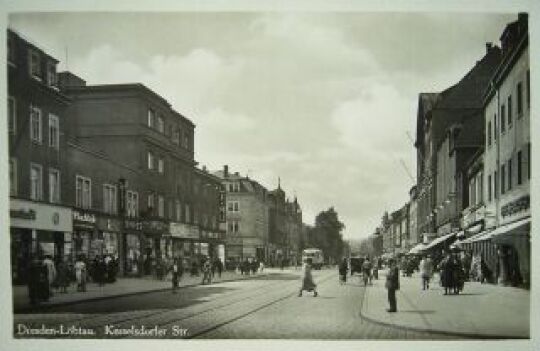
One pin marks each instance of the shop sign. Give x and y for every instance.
(32, 215)
(132, 225)
(84, 217)
(157, 227)
(185, 231)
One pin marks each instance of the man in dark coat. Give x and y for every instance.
(392, 284)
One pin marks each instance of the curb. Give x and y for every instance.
(41, 308)
(437, 331)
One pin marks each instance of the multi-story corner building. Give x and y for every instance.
(440, 148)
(247, 217)
(40, 223)
(507, 159)
(136, 127)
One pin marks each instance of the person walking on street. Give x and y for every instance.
(175, 275)
(307, 279)
(366, 271)
(343, 271)
(51, 272)
(80, 274)
(426, 271)
(392, 284)
(206, 268)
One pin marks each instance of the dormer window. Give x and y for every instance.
(34, 63)
(52, 79)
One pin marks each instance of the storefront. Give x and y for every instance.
(185, 239)
(132, 248)
(155, 233)
(108, 234)
(86, 239)
(37, 230)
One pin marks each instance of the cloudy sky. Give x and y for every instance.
(322, 100)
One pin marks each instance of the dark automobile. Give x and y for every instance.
(356, 264)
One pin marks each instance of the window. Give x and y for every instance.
(236, 187)
(132, 203)
(503, 174)
(230, 187)
(161, 165)
(151, 118)
(489, 188)
(236, 227)
(519, 165)
(54, 131)
(495, 185)
(109, 199)
(178, 211)
(161, 206)
(503, 116)
(528, 88)
(495, 131)
(519, 99)
(150, 159)
(489, 133)
(12, 177)
(510, 118)
(236, 206)
(185, 140)
(83, 192)
(12, 115)
(160, 125)
(510, 174)
(54, 186)
(35, 124)
(176, 137)
(34, 64)
(51, 74)
(187, 218)
(36, 182)
(233, 226)
(150, 202)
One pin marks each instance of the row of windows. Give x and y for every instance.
(36, 124)
(233, 187)
(506, 112)
(503, 181)
(156, 122)
(36, 181)
(35, 64)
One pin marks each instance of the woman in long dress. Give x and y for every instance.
(307, 279)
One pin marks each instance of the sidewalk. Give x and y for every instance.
(122, 287)
(480, 311)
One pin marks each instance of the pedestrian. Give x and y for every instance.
(219, 267)
(261, 266)
(447, 273)
(392, 284)
(206, 268)
(80, 274)
(343, 268)
(426, 271)
(51, 273)
(307, 279)
(34, 278)
(366, 271)
(175, 269)
(62, 279)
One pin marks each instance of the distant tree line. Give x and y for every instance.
(327, 235)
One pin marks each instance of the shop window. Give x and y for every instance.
(36, 182)
(54, 186)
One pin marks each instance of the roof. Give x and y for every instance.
(472, 133)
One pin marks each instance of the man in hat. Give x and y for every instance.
(392, 284)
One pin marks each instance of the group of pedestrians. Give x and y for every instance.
(452, 274)
(47, 276)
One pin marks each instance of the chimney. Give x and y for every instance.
(489, 45)
(226, 171)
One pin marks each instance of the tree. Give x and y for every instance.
(327, 236)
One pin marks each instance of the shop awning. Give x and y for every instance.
(513, 230)
(417, 249)
(440, 240)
